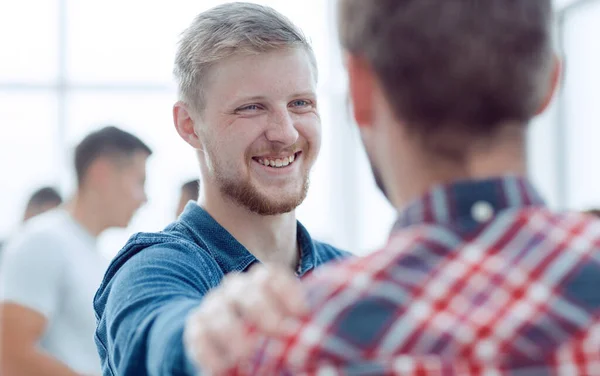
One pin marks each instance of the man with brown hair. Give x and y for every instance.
(478, 277)
(52, 267)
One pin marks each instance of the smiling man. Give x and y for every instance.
(247, 79)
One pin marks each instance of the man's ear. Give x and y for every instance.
(184, 123)
(100, 172)
(553, 84)
(362, 81)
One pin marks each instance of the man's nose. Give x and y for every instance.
(282, 129)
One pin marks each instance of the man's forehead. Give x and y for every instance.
(246, 73)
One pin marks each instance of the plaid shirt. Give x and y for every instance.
(478, 278)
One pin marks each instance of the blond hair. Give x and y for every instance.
(227, 30)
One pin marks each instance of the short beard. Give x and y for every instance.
(247, 196)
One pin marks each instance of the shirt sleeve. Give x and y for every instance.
(345, 326)
(148, 302)
(31, 275)
(303, 342)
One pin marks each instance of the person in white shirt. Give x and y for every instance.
(51, 269)
(40, 201)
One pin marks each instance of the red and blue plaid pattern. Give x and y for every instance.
(478, 278)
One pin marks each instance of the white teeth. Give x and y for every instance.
(282, 162)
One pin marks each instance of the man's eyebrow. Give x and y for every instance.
(252, 98)
(307, 93)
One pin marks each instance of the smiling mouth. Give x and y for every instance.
(281, 162)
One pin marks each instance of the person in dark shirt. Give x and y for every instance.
(479, 276)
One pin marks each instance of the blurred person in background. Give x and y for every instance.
(247, 80)
(594, 212)
(189, 192)
(479, 276)
(42, 200)
(51, 268)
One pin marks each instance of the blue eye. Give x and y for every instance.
(250, 107)
(300, 103)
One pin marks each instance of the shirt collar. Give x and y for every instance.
(230, 254)
(469, 202)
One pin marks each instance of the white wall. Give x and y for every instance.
(73, 66)
(582, 107)
(111, 62)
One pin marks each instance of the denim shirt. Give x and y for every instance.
(157, 278)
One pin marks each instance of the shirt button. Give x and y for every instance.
(482, 211)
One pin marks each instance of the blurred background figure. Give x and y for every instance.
(189, 192)
(51, 268)
(48, 64)
(42, 200)
(594, 212)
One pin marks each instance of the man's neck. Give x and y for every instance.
(271, 239)
(85, 211)
(506, 155)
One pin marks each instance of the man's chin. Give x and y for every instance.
(264, 200)
(269, 207)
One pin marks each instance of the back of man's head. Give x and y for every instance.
(42, 200)
(109, 142)
(455, 65)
